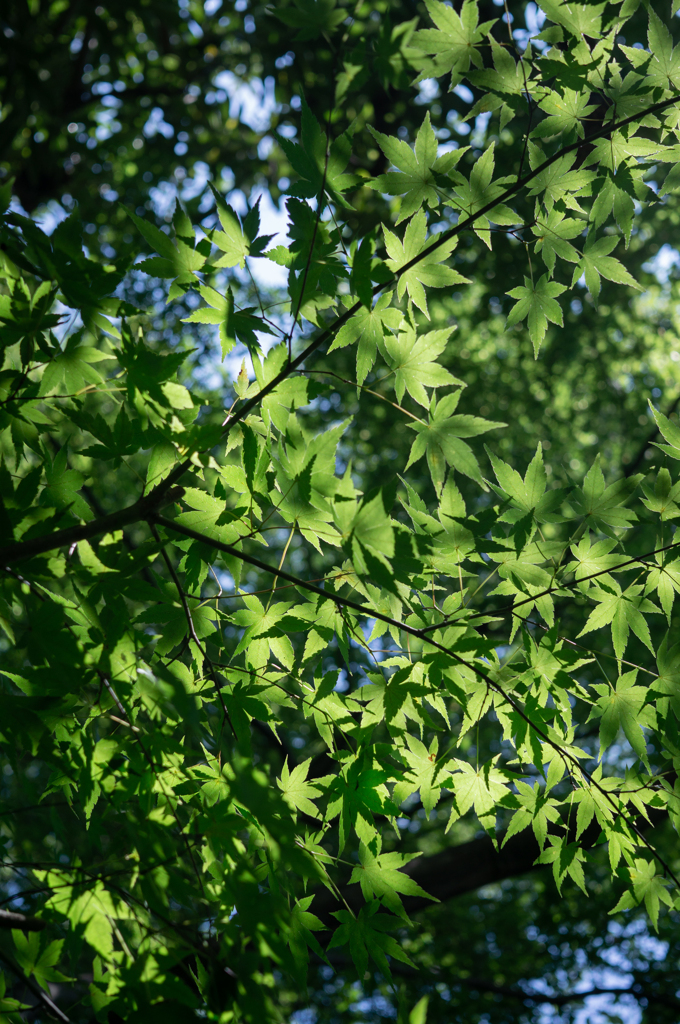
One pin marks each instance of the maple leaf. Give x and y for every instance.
(297, 792)
(552, 233)
(365, 934)
(664, 67)
(604, 507)
(536, 809)
(596, 263)
(479, 789)
(414, 362)
(528, 495)
(319, 160)
(453, 45)
(311, 17)
(72, 368)
(566, 858)
(235, 325)
(665, 579)
(237, 239)
(424, 773)
(557, 181)
(620, 707)
(579, 19)
(670, 433)
(366, 329)
(380, 877)
(592, 558)
(418, 168)
(36, 963)
(623, 609)
(565, 112)
(478, 192)
(664, 498)
(440, 440)
(427, 271)
(538, 304)
(176, 258)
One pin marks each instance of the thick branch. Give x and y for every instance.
(9, 919)
(464, 868)
(141, 509)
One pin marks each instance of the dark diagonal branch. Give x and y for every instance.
(9, 919)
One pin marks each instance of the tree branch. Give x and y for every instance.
(9, 919)
(462, 869)
(142, 509)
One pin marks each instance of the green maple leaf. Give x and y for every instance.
(552, 232)
(172, 619)
(236, 240)
(366, 329)
(665, 579)
(297, 792)
(479, 191)
(235, 325)
(366, 936)
(664, 67)
(565, 113)
(38, 964)
(527, 495)
(620, 707)
(664, 498)
(312, 17)
(368, 534)
(380, 877)
(414, 362)
(596, 263)
(668, 666)
(72, 369)
(592, 558)
(440, 439)
(604, 506)
(427, 271)
(579, 19)
(302, 925)
(536, 809)
(64, 484)
(25, 316)
(558, 181)
(624, 610)
(615, 192)
(357, 795)
(566, 858)
(453, 45)
(480, 789)
(176, 258)
(424, 772)
(507, 77)
(416, 178)
(319, 161)
(538, 304)
(263, 622)
(669, 431)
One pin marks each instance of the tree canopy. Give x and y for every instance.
(339, 673)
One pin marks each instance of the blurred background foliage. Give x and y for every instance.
(134, 105)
